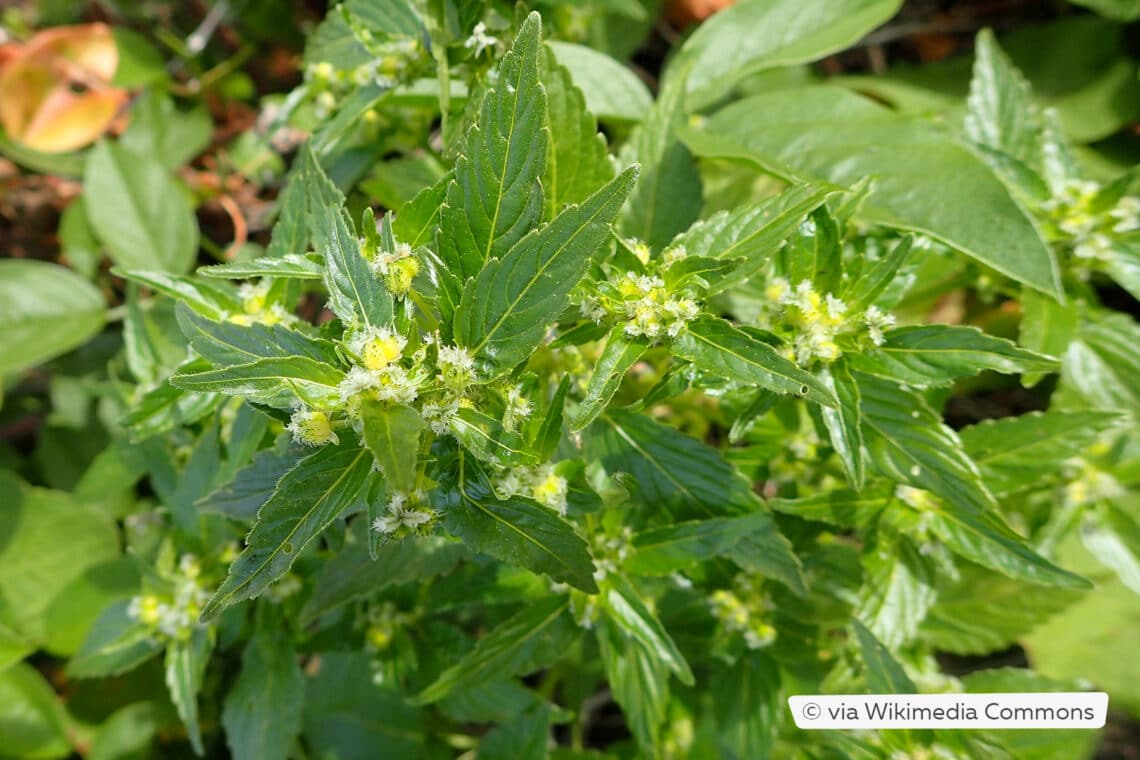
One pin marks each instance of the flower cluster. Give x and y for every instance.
(745, 610)
(817, 321)
(542, 483)
(1071, 216)
(644, 301)
(256, 309)
(480, 40)
(404, 514)
(398, 268)
(390, 63)
(173, 614)
(1088, 485)
(610, 550)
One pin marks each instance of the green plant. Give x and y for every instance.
(567, 428)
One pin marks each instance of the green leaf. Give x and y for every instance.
(985, 612)
(746, 698)
(352, 573)
(164, 133)
(756, 35)
(1017, 453)
(1047, 326)
(883, 672)
(209, 299)
(908, 443)
(669, 196)
(686, 478)
(355, 294)
(511, 648)
(577, 161)
(277, 382)
(32, 719)
(115, 644)
(844, 422)
(814, 251)
(185, 668)
(612, 91)
(625, 608)
(127, 734)
(496, 196)
(418, 219)
(620, 353)
(678, 547)
(525, 736)
(392, 434)
(752, 232)
(550, 432)
(924, 181)
(73, 612)
(350, 717)
(1118, 10)
(140, 214)
(518, 531)
(290, 265)
(262, 712)
(1102, 364)
(1000, 111)
(898, 590)
(639, 681)
(46, 311)
(867, 289)
(486, 438)
(842, 508)
(251, 486)
(47, 541)
(322, 487)
(1113, 537)
(506, 310)
(716, 347)
(227, 344)
(935, 355)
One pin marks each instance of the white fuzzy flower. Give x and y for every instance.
(377, 347)
(440, 415)
(311, 427)
(402, 512)
(480, 40)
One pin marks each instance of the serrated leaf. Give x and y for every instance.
(308, 498)
(138, 211)
(639, 681)
(115, 644)
(506, 309)
(883, 672)
(619, 354)
(550, 432)
(293, 266)
(577, 161)
(1015, 453)
(418, 219)
(813, 253)
(252, 486)
(898, 590)
(185, 668)
(746, 698)
(278, 382)
(226, 344)
(518, 531)
(1113, 537)
(843, 508)
(352, 573)
(625, 608)
(985, 611)
(844, 422)
(753, 232)
(934, 355)
(1102, 364)
(1000, 111)
(392, 434)
(355, 294)
(720, 349)
(686, 478)
(486, 438)
(678, 547)
(925, 182)
(262, 712)
(506, 650)
(206, 298)
(908, 442)
(496, 196)
(867, 289)
(669, 197)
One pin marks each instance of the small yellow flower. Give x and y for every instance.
(400, 276)
(311, 428)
